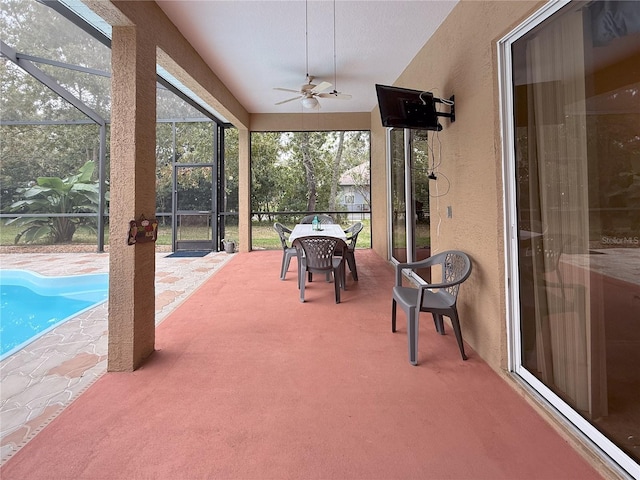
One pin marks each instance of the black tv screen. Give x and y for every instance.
(405, 108)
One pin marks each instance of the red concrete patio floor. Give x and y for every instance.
(249, 383)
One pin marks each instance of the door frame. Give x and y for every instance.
(211, 244)
(410, 209)
(558, 408)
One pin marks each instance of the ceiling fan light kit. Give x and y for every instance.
(309, 102)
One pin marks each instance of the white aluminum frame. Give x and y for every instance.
(606, 449)
(409, 205)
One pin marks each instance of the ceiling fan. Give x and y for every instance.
(309, 93)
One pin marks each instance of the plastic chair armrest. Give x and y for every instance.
(434, 286)
(426, 263)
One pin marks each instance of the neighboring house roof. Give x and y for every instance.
(358, 175)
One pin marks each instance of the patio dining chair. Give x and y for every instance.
(352, 237)
(456, 268)
(288, 252)
(317, 254)
(324, 219)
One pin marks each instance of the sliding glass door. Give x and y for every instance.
(409, 195)
(398, 175)
(574, 173)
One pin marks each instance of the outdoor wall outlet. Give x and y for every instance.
(449, 212)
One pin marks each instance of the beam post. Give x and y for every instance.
(133, 191)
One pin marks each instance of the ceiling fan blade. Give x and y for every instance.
(286, 90)
(340, 96)
(319, 88)
(288, 100)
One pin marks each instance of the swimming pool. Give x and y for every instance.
(32, 304)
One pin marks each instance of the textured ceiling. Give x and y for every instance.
(254, 46)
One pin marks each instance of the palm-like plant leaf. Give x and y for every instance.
(73, 194)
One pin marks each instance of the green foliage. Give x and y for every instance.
(422, 166)
(231, 172)
(266, 172)
(290, 171)
(33, 28)
(29, 151)
(74, 194)
(264, 237)
(280, 179)
(194, 145)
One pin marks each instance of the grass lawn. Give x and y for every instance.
(264, 237)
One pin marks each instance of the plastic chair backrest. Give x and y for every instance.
(324, 219)
(352, 234)
(456, 268)
(281, 229)
(319, 251)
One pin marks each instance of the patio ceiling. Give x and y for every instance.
(254, 46)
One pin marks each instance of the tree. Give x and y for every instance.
(47, 149)
(301, 170)
(41, 149)
(74, 194)
(266, 151)
(194, 144)
(164, 167)
(310, 171)
(335, 172)
(231, 172)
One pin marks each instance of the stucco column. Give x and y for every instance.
(244, 190)
(132, 191)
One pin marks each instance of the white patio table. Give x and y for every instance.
(328, 230)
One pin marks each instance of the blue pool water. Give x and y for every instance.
(32, 304)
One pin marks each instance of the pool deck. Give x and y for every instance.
(46, 376)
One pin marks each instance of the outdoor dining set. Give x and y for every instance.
(322, 247)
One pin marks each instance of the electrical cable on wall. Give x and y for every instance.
(439, 177)
(437, 210)
(435, 174)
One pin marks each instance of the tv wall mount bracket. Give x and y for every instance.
(452, 108)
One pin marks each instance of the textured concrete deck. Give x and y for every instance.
(42, 379)
(262, 386)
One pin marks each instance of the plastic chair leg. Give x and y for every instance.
(302, 285)
(455, 322)
(342, 275)
(286, 261)
(393, 315)
(412, 337)
(351, 260)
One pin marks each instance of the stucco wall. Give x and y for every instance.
(461, 59)
(379, 187)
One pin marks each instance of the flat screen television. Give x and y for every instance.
(405, 108)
